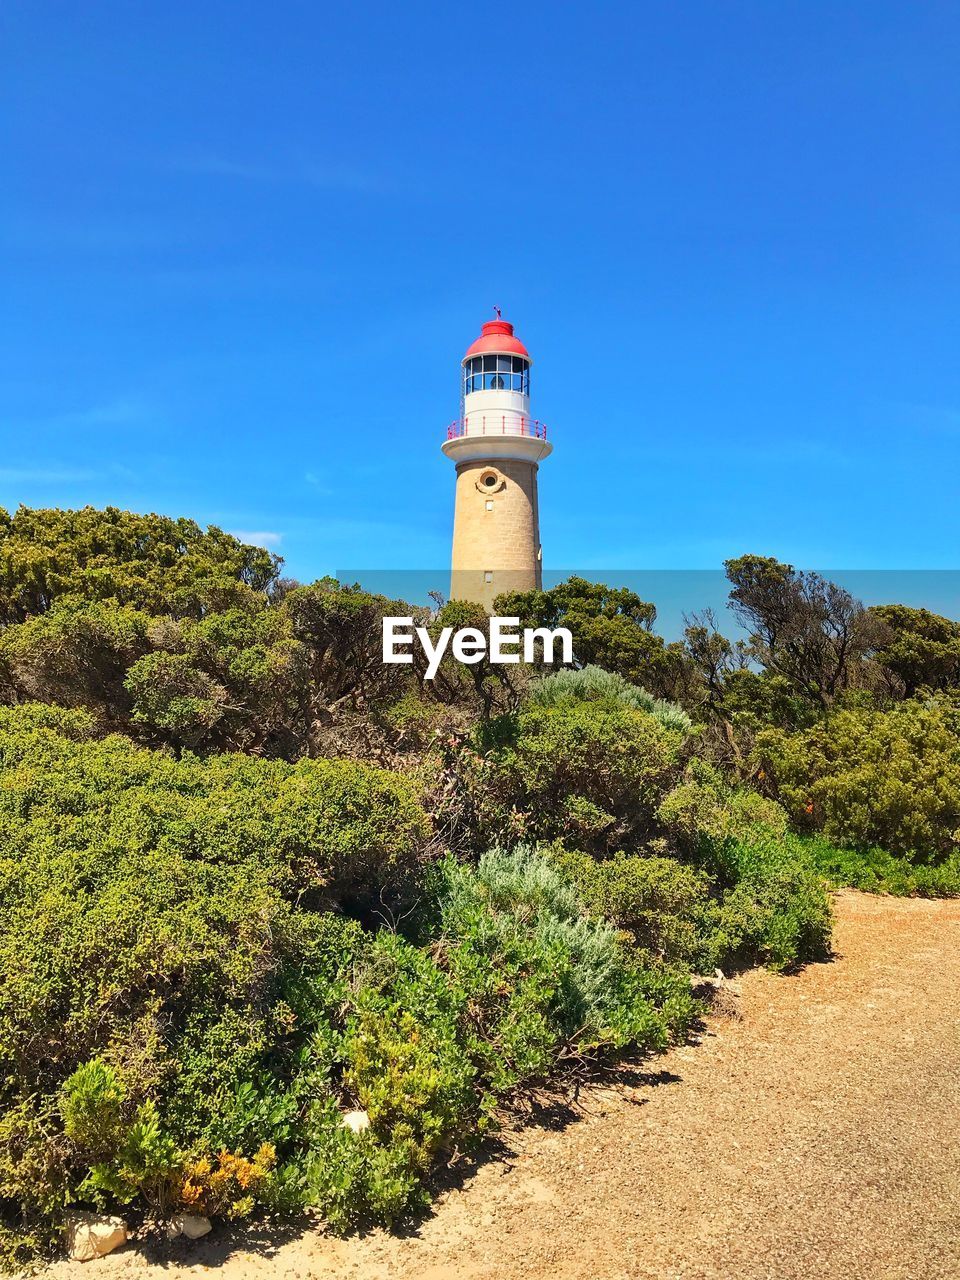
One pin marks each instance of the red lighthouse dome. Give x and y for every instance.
(497, 335)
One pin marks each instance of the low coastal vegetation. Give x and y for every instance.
(283, 928)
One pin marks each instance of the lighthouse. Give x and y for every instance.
(497, 448)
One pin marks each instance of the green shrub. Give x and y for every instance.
(596, 769)
(414, 722)
(93, 1107)
(76, 654)
(356, 832)
(594, 684)
(658, 900)
(512, 978)
(777, 912)
(155, 937)
(769, 902)
(157, 564)
(76, 724)
(874, 778)
(518, 909)
(875, 870)
(183, 1023)
(703, 810)
(723, 827)
(170, 693)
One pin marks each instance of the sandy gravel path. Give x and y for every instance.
(815, 1136)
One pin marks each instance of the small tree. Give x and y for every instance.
(802, 627)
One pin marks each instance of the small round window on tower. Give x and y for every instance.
(489, 481)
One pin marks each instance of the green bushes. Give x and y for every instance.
(205, 963)
(703, 811)
(875, 870)
(161, 565)
(695, 870)
(874, 778)
(184, 1022)
(777, 911)
(343, 831)
(518, 911)
(659, 901)
(592, 684)
(152, 915)
(588, 772)
(512, 977)
(770, 902)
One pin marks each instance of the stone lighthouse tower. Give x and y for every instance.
(497, 448)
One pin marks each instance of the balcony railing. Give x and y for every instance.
(497, 424)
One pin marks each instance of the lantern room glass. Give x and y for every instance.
(496, 373)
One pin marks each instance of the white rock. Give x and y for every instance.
(193, 1225)
(357, 1121)
(92, 1235)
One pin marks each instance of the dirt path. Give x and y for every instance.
(818, 1135)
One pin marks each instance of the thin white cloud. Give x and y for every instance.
(317, 482)
(933, 418)
(91, 235)
(311, 173)
(112, 413)
(46, 475)
(258, 537)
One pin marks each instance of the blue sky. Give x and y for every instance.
(245, 246)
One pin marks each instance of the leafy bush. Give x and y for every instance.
(877, 871)
(703, 813)
(520, 904)
(658, 900)
(414, 722)
(596, 770)
(171, 694)
(874, 778)
(148, 927)
(183, 1023)
(152, 562)
(777, 910)
(770, 903)
(204, 963)
(76, 654)
(603, 780)
(592, 683)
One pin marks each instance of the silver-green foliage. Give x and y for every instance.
(592, 683)
(522, 887)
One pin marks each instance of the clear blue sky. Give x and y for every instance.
(245, 246)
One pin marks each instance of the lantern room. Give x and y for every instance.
(495, 386)
(496, 373)
(497, 361)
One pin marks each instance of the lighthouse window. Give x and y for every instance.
(496, 373)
